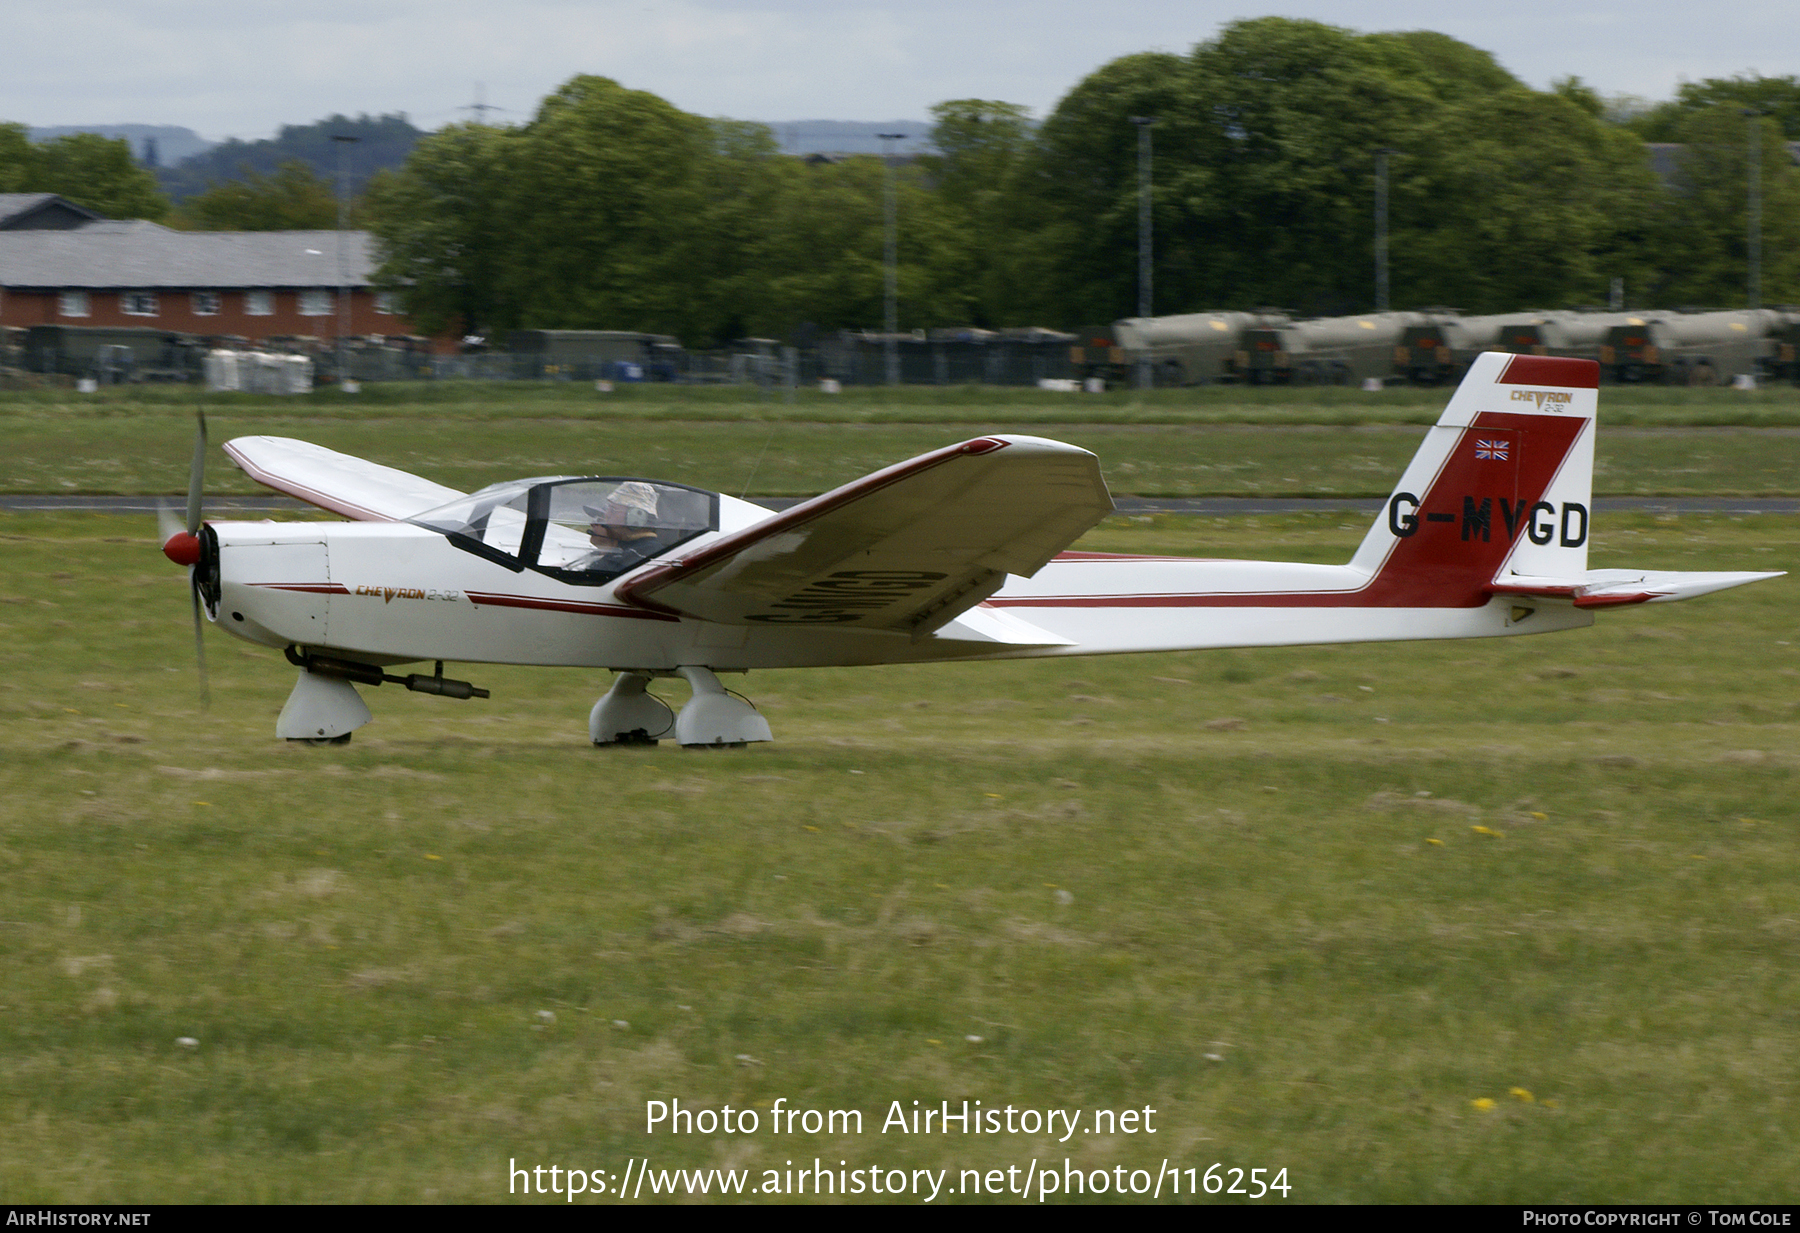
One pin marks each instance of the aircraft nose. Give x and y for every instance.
(182, 548)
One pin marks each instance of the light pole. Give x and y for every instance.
(890, 259)
(1754, 208)
(1145, 264)
(343, 144)
(1381, 227)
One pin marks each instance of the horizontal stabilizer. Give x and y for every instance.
(1612, 588)
(341, 483)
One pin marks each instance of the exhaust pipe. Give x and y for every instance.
(369, 674)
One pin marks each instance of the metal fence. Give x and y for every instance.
(848, 362)
(848, 359)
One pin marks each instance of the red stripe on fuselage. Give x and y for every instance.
(1124, 556)
(579, 607)
(311, 588)
(1449, 562)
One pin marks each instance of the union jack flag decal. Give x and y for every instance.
(1491, 448)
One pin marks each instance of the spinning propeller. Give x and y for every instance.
(193, 545)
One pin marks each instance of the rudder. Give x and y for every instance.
(1502, 483)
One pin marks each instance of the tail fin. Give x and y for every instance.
(1502, 483)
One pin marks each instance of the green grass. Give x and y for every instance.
(146, 448)
(1772, 405)
(1201, 883)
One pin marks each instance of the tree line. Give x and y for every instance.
(612, 209)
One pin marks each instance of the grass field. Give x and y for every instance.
(1769, 406)
(1490, 922)
(1213, 442)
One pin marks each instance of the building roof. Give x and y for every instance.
(147, 255)
(41, 211)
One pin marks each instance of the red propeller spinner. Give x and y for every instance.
(182, 548)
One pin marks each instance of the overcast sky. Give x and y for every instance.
(244, 69)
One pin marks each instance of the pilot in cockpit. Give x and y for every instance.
(623, 530)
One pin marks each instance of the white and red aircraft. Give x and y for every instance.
(959, 554)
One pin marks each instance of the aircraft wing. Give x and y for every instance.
(341, 483)
(904, 550)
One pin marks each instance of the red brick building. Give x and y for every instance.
(252, 284)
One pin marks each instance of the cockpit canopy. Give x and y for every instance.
(585, 530)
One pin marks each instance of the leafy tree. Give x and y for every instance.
(728, 271)
(1291, 116)
(1265, 153)
(293, 199)
(1449, 68)
(1075, 196)
(88, 169)
(1777, 97)
(1581, 94)
(1516, 200)
(445, 230)
(609, 184)
(983, 145)
(824, 260)
(1702, 238)
(16, 158)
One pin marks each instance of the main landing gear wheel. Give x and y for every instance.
(714, 718)
(636, 737)
(629, 715)
(343, 739)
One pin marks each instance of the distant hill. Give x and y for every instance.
(173, 143)
(849, 136)
(381, 142)
(187, 163)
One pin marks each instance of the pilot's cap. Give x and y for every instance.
(632, 494)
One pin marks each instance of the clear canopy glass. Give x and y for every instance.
(579, 529)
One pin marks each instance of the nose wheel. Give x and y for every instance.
(322, 710)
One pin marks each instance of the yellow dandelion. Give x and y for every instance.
(1436, 843)
(1541, 817)
(813, 829)
(1481, 830)
(1521, 1095)
(432, 856)
(1482, 1105)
